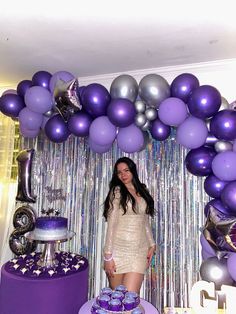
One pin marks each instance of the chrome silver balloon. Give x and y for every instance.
(124, 86)
(232, 106)
(140, 106)
(49, 113)
(224, 104)
(140, 119)
(223, 146)
(153, 89)
(151, 114)
(146, 126)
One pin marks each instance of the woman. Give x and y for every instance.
(129, 244)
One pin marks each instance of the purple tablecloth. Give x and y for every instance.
(148, 307)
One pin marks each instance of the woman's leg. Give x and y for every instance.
(115, 281)
(133, 281)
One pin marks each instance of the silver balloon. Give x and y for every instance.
(49, 113)
(147, 138)
(232, 106)
(223, 146)
(211, 139)
(124, 86)
(151, 114)
(140, 106)
(146, 126)
(208, 122)
(153, 89)
(224, 104)
(140, 119)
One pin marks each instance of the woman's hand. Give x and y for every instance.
(110, 268)
(150, 254)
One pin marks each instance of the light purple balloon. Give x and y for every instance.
(172, 111)
(234, 145)
(192, 133)
(102, 131)
(29, 133)
(99, 148)
(231, 265)
(228, 196)
(206, 246)
(130, 139)
(224, 166)
(29, 119)
(60, 75)
(38, 99)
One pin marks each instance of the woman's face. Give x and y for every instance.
(124, 174)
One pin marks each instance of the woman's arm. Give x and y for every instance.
(151, 243)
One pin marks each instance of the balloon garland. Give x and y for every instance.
(131, 113)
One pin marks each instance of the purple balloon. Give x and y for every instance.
(23, 86)
(224, 166)
(60, 75)
(9, 91)
(223, 125)
(56, 129)
(80, 92)
(29, 119)
(211, 140)
(95, 99)
(121, 112)
(38, 99)
(183, 85)
(206, 246)
(79, 123)
(172, 111)
(228, 196)
(99, 148)
(29, 133)
(159, 130)
(204, 102)
(216, 203)
(192, 133)
(11, 105)
(42, 78)
(102, 131)
(130, 139)
(214, 186)
(198, 161)
(231, 265)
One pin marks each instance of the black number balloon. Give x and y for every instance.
(23, 221)
(24, 159)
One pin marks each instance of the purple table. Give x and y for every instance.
(148, 307)
(59, 295)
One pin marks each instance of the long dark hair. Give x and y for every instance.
(125, 195)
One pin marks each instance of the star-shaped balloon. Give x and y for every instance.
(66, 98)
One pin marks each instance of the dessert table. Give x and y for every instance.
(148, 307)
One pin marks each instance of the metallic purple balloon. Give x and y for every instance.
(223, 125)
(159, 130)
(204, 102)
(214, 186)
(79, 124)
(23, 86)
(11, 105)
(56, 129)
(9, 91)
(41, 78)
(216, 203)
(228, 196)
(198, 161)
(183, 85)
(95, 99)
(121, 112)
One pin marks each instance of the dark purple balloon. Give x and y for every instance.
(79, 124)
(204, 102)
(56, 129)
(81, 90)
(159, 130)
(214, 186)
(11, 105)
(121, 112)
(228, 196)
(223, 125)
(183, 85)
(41, 78)
(23, 86)
(95, 99)
(198, 161)
(216, 203)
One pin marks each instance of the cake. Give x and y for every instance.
(118, 301)
(50, 227)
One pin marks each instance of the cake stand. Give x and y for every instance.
(47, 258)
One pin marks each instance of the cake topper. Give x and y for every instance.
(50, 212)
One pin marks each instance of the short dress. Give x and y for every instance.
(128, 236)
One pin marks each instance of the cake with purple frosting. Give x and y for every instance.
(118, 301)
(50, 227)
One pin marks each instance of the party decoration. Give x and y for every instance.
(223, 146)
(204, 101)
(224, 166)
(38, 99)
(159, 130)
(146, 126)
(172, 111)
(56, 129)
(224, 104)
(124, 86)
(121, 112)
(9, 91)
(183, 85)
(206, 246)
(192, 133)
(211, 140)
(153, 89)
(22, 87)
(42, 78)
(11, 105)
(140, 119)
(217, 204)
(130, 139)
(66, 98)
(231, 265)
(102, 131)
(23, 221)
(95, 99)
(99, 148)
(151, 114)
(25, 159)
(214, 186)
(228, 196)
(79, 124)
(29, 133)
(232, 105)
(223, 125)
(60, 76)
(140, 106)
(29, 119)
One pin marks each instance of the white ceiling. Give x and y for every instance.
(89, 38)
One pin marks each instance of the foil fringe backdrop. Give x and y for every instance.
(72, 178)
